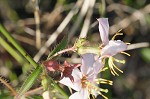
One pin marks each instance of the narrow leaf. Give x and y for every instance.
(17, 45)
(29, 81)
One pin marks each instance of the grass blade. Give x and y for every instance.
(29, 82)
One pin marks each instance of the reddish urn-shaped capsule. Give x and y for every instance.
(51, 65)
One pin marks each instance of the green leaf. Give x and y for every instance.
(29, 81)
(145, 54)
(59, 47)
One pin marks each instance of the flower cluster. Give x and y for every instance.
(84, 79)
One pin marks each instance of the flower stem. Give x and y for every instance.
(62, 51)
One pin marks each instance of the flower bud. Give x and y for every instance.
(51, 65)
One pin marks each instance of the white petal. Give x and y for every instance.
(91, 76)
(113, 47)
(82, 94)
(88, 60)
(98, 65)
(76, 85)
(104, 30)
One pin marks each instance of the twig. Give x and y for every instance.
(136, 15)
(86, 24)
(58, 31)
(79, 19)
(24, 39)
(63, 51)
(138, 45)
(31, 92)
(37, 22)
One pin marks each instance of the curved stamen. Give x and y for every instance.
(104, 69)
(112, 66)
(127, 43)
(117, 68)
(119, 61)
(118, 33)
(102, 95)
(125, 53)
(103, 81)
(92, 88)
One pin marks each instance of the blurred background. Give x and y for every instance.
(39, 25)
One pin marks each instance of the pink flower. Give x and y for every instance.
(80, 83)
(84, 79)
(111, 47)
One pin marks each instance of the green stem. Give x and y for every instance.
(17, 46)
(60, 89)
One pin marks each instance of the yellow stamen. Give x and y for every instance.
(103, 60)
(92, 88)
(112, 66)
(119, 61)
(104, 69)
(103, 90)
(119, 30)
(113, 71)
(102, 95)
(117, 68)
(127, 43)
(93, 97)
(118, 33)
(125, 53)
(103, 81)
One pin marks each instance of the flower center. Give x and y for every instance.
(84, 81)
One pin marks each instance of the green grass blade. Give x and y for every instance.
(14, 54)
(10, 50)
(17, 46)
(29, 81)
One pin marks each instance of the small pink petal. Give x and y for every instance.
(82, 94)
(113, 47)
(104, 30)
